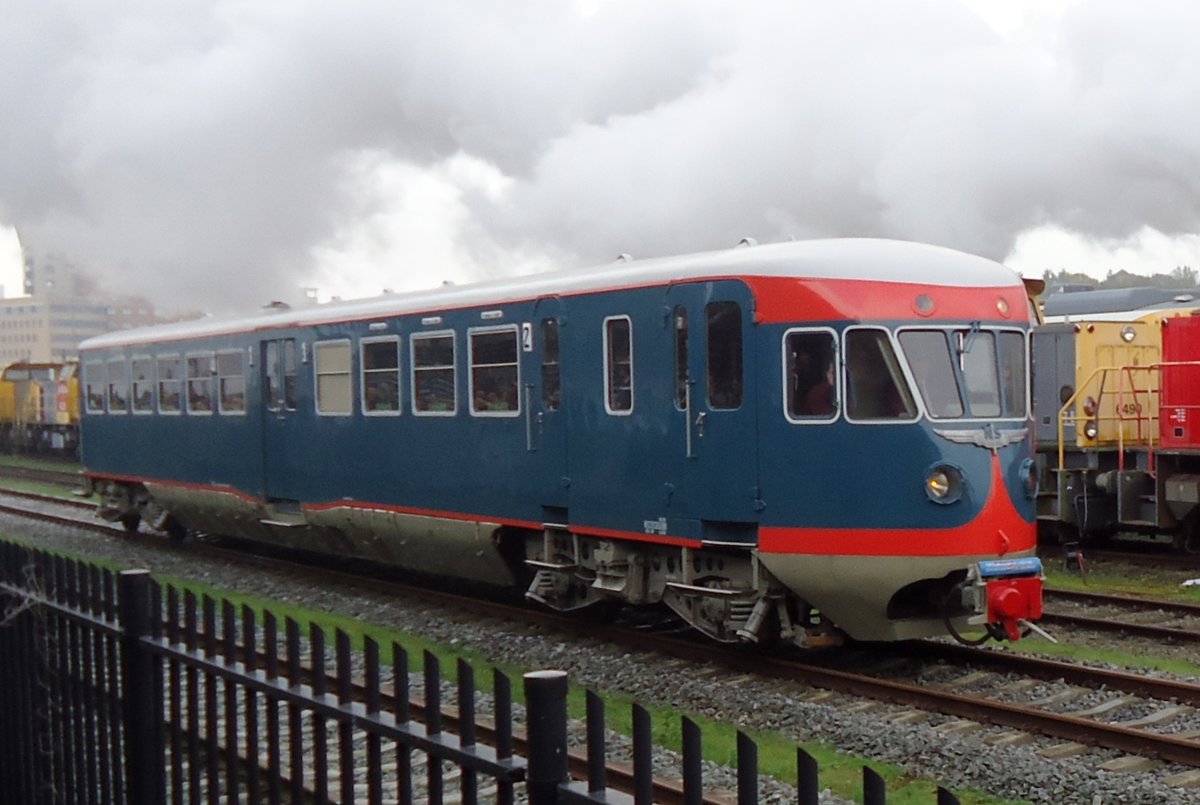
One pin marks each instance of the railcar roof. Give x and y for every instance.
(1081, 304)
(866, 259)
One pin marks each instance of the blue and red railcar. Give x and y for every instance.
(783, 442)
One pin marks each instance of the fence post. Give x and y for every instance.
(546, 717)
(747, 770)
(807, 778)
(143, 726)
(874, 787)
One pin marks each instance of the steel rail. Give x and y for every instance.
(1074, 728)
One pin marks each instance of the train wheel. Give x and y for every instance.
(1187, 538)
(175, 529)
(131, 522)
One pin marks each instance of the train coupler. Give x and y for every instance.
(1013, 595)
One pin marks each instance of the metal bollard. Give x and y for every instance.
(546, 717)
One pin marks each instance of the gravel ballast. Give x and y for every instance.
(925, 747)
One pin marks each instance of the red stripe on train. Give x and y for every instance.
(790, 299)
(998, 530)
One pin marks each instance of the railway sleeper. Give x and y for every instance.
(727, 596)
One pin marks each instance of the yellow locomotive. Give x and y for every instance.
(39, 408)
(1098, 407)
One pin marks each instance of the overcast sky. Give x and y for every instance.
(229, 153)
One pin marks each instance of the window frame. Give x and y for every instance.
(452, 366)
(348, 373)
(709, 354)
(210, 355)
(911, 374)
(471, 366)
(220, 378)
(181, 381)
(89, 381)
(275, 353)
(681, 346)
(123, 362)
(364, 372)
(608, 365)
(785, 361)
(151, 377)
(901, 362)
(1025, 370)
(551, 369)
(994, 330)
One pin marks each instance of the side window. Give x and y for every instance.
(618, 365)
(1012, 373)
(495, 382)
(231, 382)
(680, 325)
(875, 386)
(332, 366)
(724, 354)
(140, 370)
(118, 386)
(551, 372)
(279, 362)
(170, 384)
(380, 361)
(200, 383)
(433, 373)
(811, 375)
(96, 384)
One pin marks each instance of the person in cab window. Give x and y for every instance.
(818, 400)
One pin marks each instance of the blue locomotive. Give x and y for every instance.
(789, 442)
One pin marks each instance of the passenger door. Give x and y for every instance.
(716, 465)
(282, 437)
(545, 412)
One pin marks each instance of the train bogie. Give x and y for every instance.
(748, 438)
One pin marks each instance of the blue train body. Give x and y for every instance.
(637, 433)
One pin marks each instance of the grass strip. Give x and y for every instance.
(776, 753)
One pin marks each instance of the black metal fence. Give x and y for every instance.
(118, 691)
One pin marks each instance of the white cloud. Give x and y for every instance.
(1146, 252)
(185, 151)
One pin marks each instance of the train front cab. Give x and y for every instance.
(906, 508)
(39, 405)
(1107, 394)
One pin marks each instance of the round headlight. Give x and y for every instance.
(944, 483)
(1092, 429)
(938, 484)
(1089, 406)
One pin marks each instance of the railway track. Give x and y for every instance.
(69, 475)
(1159, 619)
(1098, 726)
